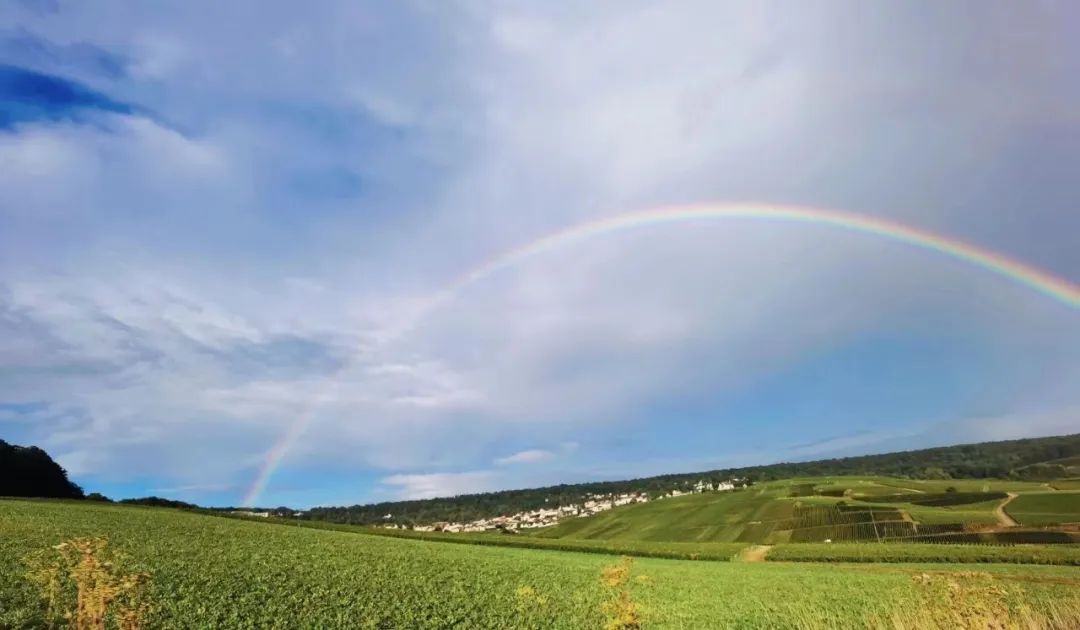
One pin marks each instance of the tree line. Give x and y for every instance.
(28, 471)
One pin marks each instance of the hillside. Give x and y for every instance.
(1028, 459)
(846, 509)
(28, 471)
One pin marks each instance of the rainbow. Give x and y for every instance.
(1025, 275)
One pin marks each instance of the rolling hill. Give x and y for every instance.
(1035, 459)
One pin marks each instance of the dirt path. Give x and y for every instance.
(1003, 516)
(755, 553)
(907, 517)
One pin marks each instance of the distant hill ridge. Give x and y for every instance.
(1027, 459)
(28, 471)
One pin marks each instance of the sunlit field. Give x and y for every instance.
(206, 571)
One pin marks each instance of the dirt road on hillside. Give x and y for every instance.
(1003, 516)
(755, 553)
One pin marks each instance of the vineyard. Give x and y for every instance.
(937, 499)
(206, 571)
(850, 523)
(842, 510)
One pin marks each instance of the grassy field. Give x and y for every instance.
(712, 551)
(981, 513)
(719, 517)
(216, 572)
(1056, 554)
(1046, 508)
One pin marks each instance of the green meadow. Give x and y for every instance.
(1045, 508)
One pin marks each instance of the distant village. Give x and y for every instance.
(593, 504)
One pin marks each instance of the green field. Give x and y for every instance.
(1056, 554)
(980, 513)
(713, 551)
(216, 572)
(1046, 508)
(719, 517)
(837, 509)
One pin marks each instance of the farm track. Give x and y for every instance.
(755, 553)
(907, 517)
(1003, 516)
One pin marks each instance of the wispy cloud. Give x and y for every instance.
(536, 455)
(426, 486)
(531, 456)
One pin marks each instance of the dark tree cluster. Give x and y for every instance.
(28, 471)
(1035, 458)
(160, 502)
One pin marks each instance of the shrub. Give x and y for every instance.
(82, 585)
(620, 610)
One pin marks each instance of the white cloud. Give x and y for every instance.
(865, 442)
(531, 456)
(427, 486)
(537, 455)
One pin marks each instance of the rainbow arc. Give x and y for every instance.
(1028, 276)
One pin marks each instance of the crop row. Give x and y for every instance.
(876, 531)
(820, 516)
(936, 499)
(1021, 537)
(715, 551)
(647, 549)
(922, 552)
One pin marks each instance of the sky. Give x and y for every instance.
(228, 233)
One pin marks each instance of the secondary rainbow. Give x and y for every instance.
(1026, 275)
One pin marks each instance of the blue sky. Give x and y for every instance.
(219, 218)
